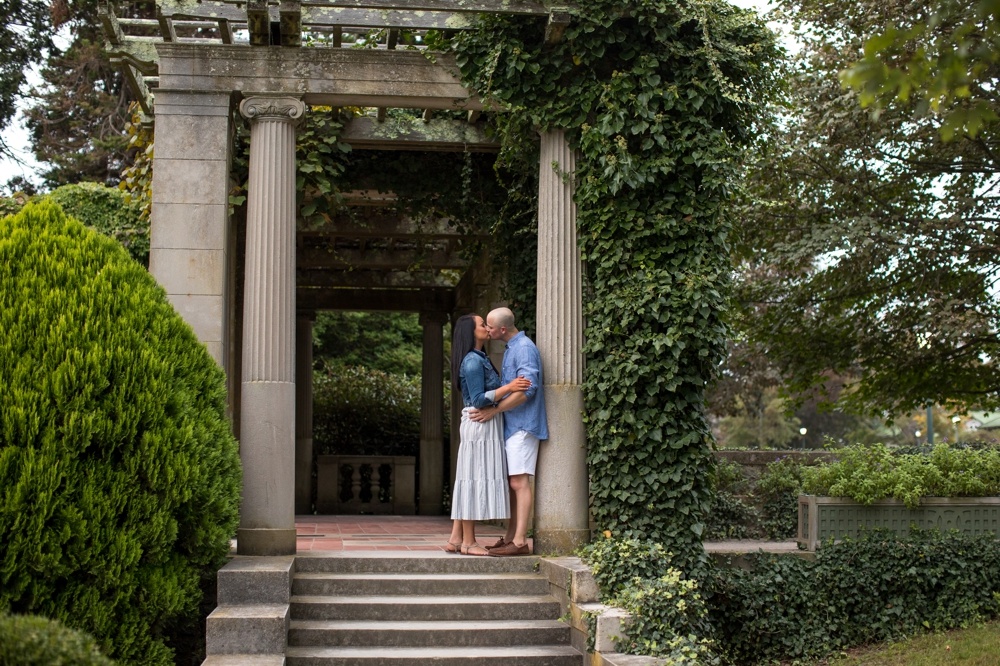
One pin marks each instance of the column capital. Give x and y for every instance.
(272, 106)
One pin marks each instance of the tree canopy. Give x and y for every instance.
(24, 37)
(869, 240)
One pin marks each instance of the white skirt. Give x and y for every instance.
(481, 486)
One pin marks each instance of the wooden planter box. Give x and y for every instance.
(823, 518)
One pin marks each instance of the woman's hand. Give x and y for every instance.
(519, 384)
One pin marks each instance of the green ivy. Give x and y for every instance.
(660, 100)
(855, 592)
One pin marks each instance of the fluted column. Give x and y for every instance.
(432, 414)
(303, 413)
(561, 482)
(267, 432)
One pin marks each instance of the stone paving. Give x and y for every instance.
(381, 533)
(430, 533)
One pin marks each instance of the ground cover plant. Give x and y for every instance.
(119, 474)
(875, 589)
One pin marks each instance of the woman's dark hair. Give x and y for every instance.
(463, 341)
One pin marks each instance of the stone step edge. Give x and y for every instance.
(423, 600)
(424, 625)
(436, 653)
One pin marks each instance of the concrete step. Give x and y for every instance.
(536, 655)
(439, 584)
(424, 608)
(405, 562)
(244, 660)
(428, 634)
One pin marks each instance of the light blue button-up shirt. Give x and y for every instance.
(523, 360)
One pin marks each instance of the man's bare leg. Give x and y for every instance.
(520, 488)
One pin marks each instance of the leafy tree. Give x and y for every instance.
(386, 341)
(77, 116)
(879, 236)
(25, 35)
(945, 55)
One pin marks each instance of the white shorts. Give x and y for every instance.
(522, 453)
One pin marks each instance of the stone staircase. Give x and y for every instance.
(392, 609)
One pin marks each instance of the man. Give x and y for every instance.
(525, 425)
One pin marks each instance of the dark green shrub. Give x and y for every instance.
(109, 211)
(119, 474)
(778, 491)
(729, 516)
(874, 589)
(105, 209)
(362, 411)
(29, 640)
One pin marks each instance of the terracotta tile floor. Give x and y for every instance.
(392, 533)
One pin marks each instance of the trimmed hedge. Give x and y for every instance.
(875, 589)
(30, 640)
(119, 473)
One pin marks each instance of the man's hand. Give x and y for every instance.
(482, 415)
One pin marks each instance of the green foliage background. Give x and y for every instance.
(659, 99)
(119, 474)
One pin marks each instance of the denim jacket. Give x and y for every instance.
(478, 379)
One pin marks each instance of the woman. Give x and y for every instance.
(480, 491)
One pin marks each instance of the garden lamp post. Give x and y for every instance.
(802, 433)
(955, 421)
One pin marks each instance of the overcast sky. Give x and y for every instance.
(16, 136)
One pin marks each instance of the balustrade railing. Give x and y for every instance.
(365, 485)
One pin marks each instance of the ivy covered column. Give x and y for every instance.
(267, 421)
(561, 487)
(303, 412)
(432, 414)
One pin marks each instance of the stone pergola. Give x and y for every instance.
(200, 67)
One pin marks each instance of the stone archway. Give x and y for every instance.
(207, 78)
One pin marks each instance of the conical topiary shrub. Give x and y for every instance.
(119, 473)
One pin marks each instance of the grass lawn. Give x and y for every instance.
(978, 646)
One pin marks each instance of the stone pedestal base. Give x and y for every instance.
(264, 541)
(559, 542)
(561, 482)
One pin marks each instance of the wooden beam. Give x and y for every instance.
(166, 27)
(407, 133)
(468, 6)
(378, 225)
(375, 279)
(109, 22)
(559, 20)
(372, 259)
(290, 16)
(258, 23)
(374, 300)
(137, 83)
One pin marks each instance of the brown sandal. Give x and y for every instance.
(468, 550)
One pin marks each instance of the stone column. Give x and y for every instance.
(303, 413)
(561, 482)
(189, 226)
(267, 432)
(431, 415)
